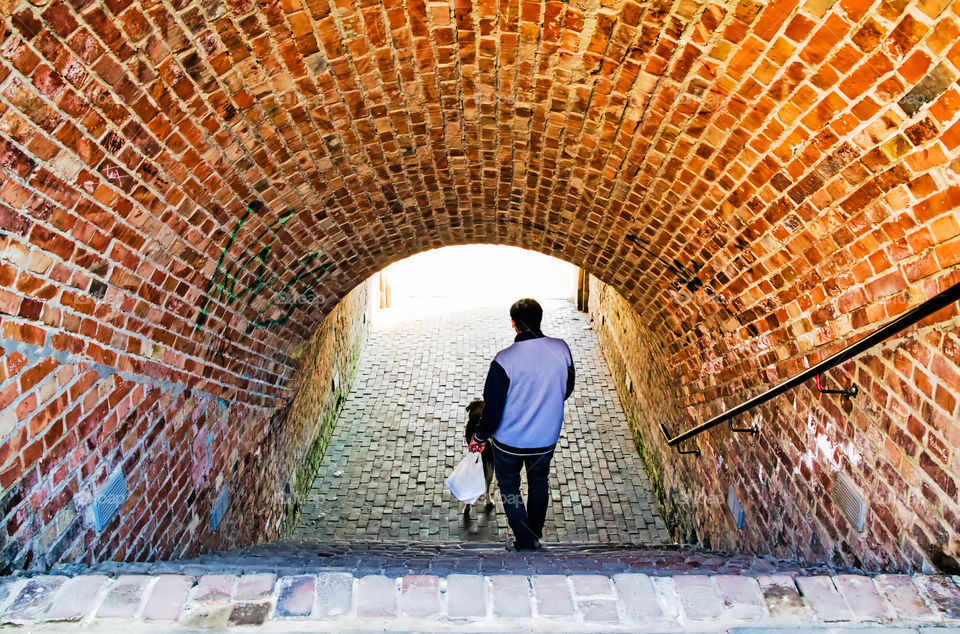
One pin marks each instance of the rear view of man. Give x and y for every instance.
(522, 415)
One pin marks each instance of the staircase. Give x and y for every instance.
(310, 585)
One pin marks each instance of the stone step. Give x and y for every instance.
(397, 559)
(572, 602)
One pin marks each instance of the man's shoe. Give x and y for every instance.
(513, 548)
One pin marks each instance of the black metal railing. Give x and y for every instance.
(895, 325)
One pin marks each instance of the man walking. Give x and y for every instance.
(522, 415)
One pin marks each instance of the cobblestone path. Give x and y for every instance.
(401, 433)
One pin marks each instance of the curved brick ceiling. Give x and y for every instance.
(190, 166)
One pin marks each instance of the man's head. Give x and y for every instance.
(526, 314)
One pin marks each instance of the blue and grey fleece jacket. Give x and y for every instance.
(524, 394)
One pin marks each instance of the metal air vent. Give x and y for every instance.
(220, 508)
(850, 502)
(736, 509)
(111, 498)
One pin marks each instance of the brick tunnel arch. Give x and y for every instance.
(759, 182)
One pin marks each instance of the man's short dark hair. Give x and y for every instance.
(526, 314)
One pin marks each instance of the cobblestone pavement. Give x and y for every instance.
(472, 602)
(401, 433)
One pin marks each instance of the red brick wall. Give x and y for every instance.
(70, 424)
(189, 188)
(894, 440)
(323, 380)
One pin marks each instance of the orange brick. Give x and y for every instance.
(915, 67)
(951, 136)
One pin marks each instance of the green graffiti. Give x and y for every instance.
(304, 272)
(244, 278)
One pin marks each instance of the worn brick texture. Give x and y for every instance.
(177, 449)
(189, 187)
(784, 477)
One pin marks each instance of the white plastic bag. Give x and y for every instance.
(467, 482)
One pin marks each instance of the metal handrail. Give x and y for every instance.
(895, 325)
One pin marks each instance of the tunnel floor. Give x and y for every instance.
(401, 433)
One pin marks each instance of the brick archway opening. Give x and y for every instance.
(399, 428)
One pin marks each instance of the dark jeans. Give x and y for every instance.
(526, 523)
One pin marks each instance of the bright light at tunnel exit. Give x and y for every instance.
(476, 275)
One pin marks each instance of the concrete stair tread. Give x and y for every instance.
(581, 602)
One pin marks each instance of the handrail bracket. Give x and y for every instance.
(753, 430)
(849, 392)
(671, 442)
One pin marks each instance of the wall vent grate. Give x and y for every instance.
(850, 502)
(106, 505)
(220, 508)
(736, 509)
